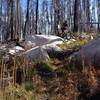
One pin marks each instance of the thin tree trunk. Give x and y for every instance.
(98, 16)
(88, 14)
(76, 15)
(27, 19)
(11, 20)
(18, 18)
(36, 27)
(0, 9)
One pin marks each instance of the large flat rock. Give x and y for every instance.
(88, 55)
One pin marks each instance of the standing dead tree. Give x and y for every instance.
(18, 18)
(27, 19)
(11, 17)
(76, 15)
(98, 15)
(37, 14)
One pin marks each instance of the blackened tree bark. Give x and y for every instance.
(98, 15)
(11, 19)
(18, 18)
(37, 12)
(8, 20)
(32, 17)
(76, 15)
(27, 19)
(88, 14)
(51, 17)
(56, 4)
(47, 16)
(0, 9)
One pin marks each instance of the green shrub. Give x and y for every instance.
(44, 67)
(18, 94)
(44, 70)
(73, 45)
(29, 86)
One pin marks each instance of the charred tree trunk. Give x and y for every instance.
(56, 15)
(36, 27)
(98, 16)
(88, 15)
(76, 15)
(27, 19)
(11, 19)
(0, 9)
(18, 18)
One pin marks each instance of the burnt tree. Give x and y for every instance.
(76, 15)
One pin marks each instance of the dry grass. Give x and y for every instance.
(73, 44)
(64, 85)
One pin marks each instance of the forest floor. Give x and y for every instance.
(55, 79)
